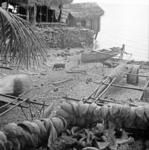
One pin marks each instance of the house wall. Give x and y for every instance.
(90, 23)
(71, 21)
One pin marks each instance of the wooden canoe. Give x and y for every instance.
(99, 56)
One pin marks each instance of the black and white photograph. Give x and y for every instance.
(74, 75)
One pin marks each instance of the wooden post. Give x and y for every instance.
(47, 14)
(60, 14)
(35, 14)
(7, 5)
(27, 13)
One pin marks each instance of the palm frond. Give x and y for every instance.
(19, 44)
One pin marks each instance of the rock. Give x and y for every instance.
(55, 90)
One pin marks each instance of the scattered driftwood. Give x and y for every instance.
(61, 82)
(20, 99)
(11, 108)
(6, 105)
(76, 71)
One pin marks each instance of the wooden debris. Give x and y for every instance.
(62, 81)
(20, 99)
(115, 76)
(11, 108)
(58, 66)
(76, 71)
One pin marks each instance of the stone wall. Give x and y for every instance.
(67, 37)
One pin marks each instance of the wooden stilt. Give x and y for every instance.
(27, 13)
(35, 14)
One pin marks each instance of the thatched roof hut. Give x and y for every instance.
(38, 10)
(84, 14)
(84, 10)
(38, 2)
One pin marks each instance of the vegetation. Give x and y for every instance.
(19, 43)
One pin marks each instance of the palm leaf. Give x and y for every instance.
(19, 44)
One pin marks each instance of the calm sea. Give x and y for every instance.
(126, 24)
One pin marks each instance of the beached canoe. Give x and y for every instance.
(99, 56)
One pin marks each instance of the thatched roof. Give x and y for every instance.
(39, 2)
(84, 10)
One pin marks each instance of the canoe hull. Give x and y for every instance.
(94, 57)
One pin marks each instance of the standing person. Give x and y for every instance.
(122, 51)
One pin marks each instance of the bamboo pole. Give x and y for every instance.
(105, 90)
(8, 110)
(116, 75)
(120, 86)
(35, 14)
(20, 99)
(10, 103)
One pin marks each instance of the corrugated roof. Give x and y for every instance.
(84, 10)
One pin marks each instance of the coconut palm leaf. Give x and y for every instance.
(19, 43)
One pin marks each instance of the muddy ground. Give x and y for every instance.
(48, 86)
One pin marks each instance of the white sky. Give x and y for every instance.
(125, 22)
(115, 1)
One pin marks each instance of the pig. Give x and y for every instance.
(15, 84)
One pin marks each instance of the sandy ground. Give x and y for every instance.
(46, 88)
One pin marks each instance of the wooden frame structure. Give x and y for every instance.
(84, 15)
(32, 11)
